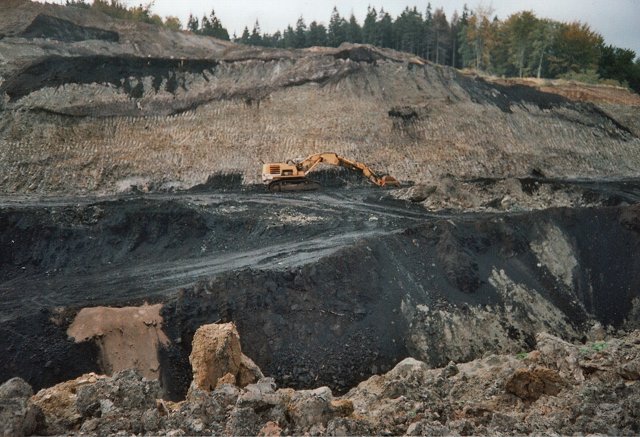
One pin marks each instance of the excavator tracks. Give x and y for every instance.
(288, 185)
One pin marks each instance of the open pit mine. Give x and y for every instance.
(151, 284)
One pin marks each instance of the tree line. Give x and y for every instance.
(522, 45)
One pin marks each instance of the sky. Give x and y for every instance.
(618, 21)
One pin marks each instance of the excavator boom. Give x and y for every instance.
(292, 176)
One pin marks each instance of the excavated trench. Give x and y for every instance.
(325, 288)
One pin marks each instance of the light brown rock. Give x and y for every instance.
(270, 429)
(128, 338)
(216, 358)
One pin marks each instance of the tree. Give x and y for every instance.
(246, 36)
(354, 31)
(193, 24)
(618, 64)
(543, 38)
(385, 25)
(288, 37)
(300, 40)
(441, 36)
(337, 32)
(316, 35)
(408, 31)
(520, 30)
(576, 49)
(172, 23)
(370, 28)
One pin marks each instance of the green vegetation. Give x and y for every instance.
(522, 45)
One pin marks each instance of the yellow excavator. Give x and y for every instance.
(292, 175)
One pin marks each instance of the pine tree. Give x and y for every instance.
(354, 31)
(255, 39)
(300, 34)
(370, 28)
(336, 33)
(316, 35)
(193, 25)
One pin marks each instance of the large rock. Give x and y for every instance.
(58, 404)
(216, 357)
(18, 416)
(530, 384)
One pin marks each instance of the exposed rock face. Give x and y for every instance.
(216, 358)
(128, 337)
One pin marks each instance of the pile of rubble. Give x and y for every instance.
(557, 388)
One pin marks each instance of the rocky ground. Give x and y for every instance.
(495, 292)
(557, 388)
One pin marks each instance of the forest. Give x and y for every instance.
(522, 45)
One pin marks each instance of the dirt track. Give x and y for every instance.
(325, 287)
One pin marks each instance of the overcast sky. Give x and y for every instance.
(618, 21)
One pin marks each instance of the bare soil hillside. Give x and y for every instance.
(92, 104)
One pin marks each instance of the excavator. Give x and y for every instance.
(292, 175)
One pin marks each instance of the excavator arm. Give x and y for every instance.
(308, 164)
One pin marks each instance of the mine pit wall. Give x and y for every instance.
(450, 289)
(172, 122)
(360, 311)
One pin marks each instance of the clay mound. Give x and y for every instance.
(128, 338)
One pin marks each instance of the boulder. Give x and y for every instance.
(216, 358)
(18, 416)
(530, 384)
(58, 404)
(313, 408)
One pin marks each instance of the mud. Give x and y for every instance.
(326, 288)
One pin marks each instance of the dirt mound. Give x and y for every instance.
(128, 338)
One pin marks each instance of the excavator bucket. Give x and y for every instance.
(389, 181)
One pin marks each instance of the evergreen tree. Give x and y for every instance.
(193, 25)
(255, 39)
(385, 26)
(370, 28)
(246, 36)
(428, 43)
(316, 35)
(300, 40)
(354, 31)
(337, 32)
(289, 38)
(441, 37)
